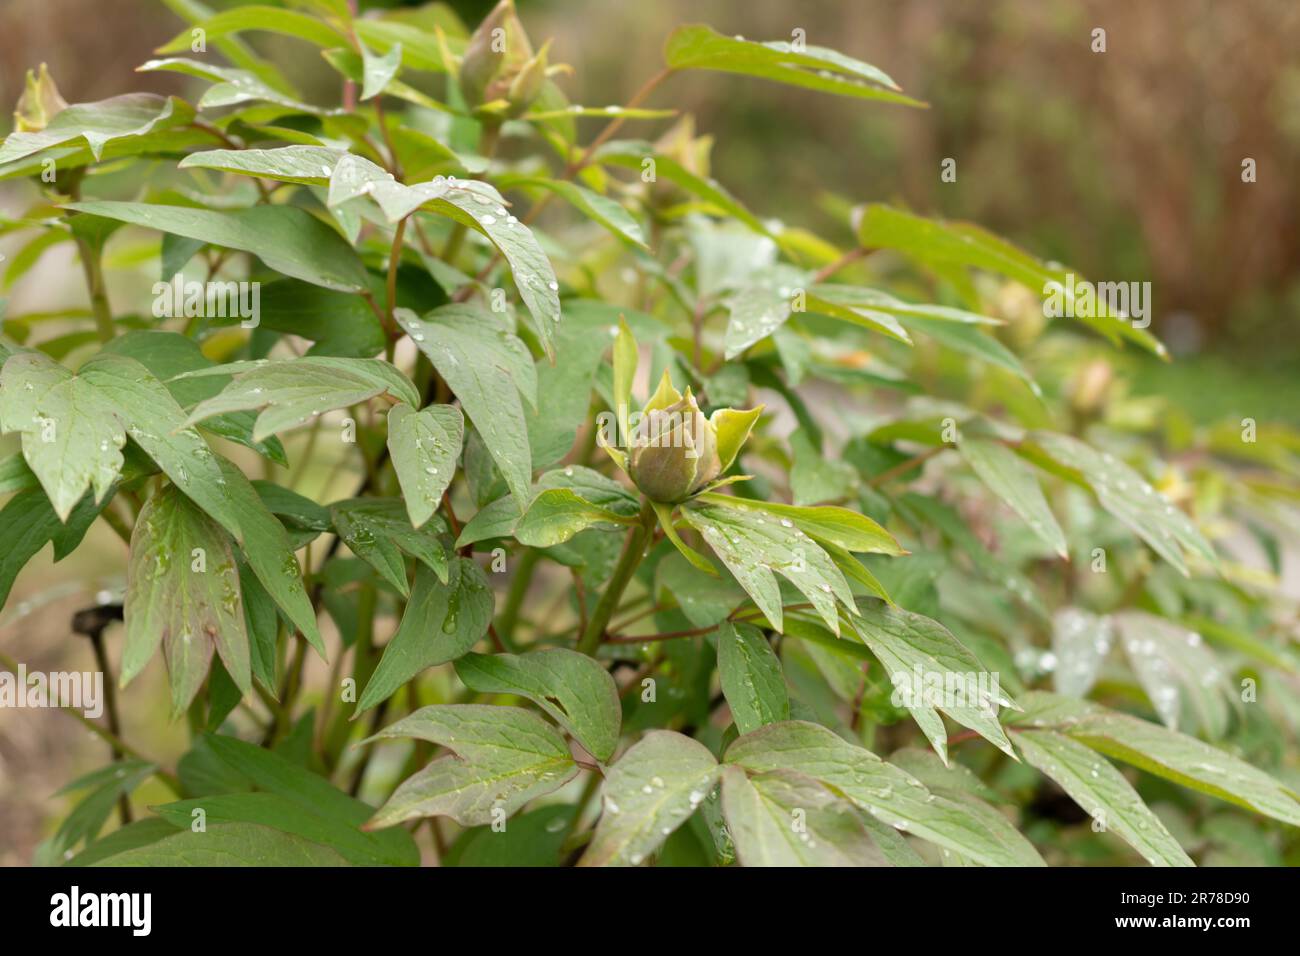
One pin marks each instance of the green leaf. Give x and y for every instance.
(533, 839)
(169, 354)
(1103, 793)
(72, 437)
(502, 758)
(883, 790)
(601, 209)
(268, 550)
(338, 323)
(556, 515)
(872, 319)
(232, 85)
(141, 833)
(665, 515)
(183, 592)
(472, 203)
(27, 523)
(15, 475)
(878, 301)
(706, 600)
(1008, 477)
(786, 819)
(291, 391)
(1127, 496)
(311, 793)
(228, 844)
(99, 124)
(931, 669)
(816, 477)
(647, 794)
(839, 526)
(761, 306)
(753, 547)
(631, 154)
(104, 788)
(425, 447)
(575, 690)
(625, 362)
(486, 371)
(424, 50)
(700, 47)
(751, 677)
(378, 531)
(1080, 640)
(286, 238)
(733, 427)
(156, 423)
(965, 244)
(304, 165)
(292, 507)
(377, 71)
(285, 815)
(256, 17)
(1184, 679)
(973, 341)
(564, 389)
(442, 621)
(1165, 753)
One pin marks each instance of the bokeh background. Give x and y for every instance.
(1126, 165)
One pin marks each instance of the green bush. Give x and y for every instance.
(647, 530)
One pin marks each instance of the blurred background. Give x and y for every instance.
(1125, 165)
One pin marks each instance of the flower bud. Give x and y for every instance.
(674, 452)
(38, 104)
(499, 63)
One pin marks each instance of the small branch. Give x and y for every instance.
(855, 719)
(93, 269)
(394, 260)
(628, 561)
(903, 467)
(666, 636)
(580, 592)
(394, 166)
(523, 577)
(571, 170)
(91, 623)
(850, 257)
(617, 123)
(231, 144)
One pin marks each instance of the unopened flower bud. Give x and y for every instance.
(499, 63)
(674, 452)
(39, 103)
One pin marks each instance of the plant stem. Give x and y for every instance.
(850, 257)
(117, 523)
(111, 712)
(515, 596)
(665, 636)
(616, 124)
(903, 467)
(94, 270)
(628, 561)
(394, 260)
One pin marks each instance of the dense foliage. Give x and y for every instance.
(646, 530)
